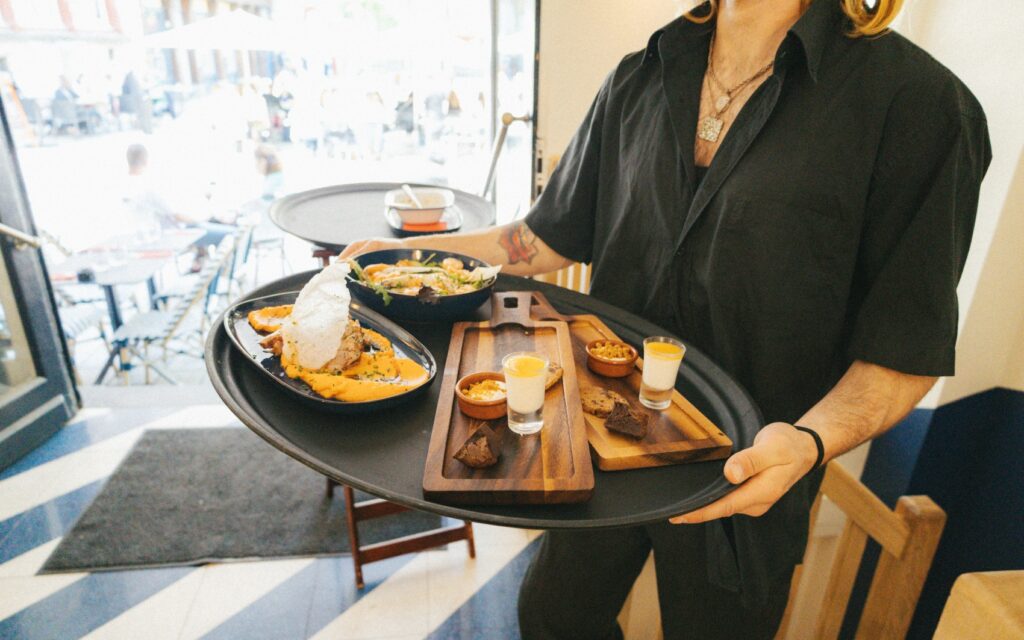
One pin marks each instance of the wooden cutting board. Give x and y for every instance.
(552, 466)
(681, 433)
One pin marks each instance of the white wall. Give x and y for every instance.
(581, 41)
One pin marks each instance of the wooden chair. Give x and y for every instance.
(575, 277)
(908, 536)
(984, 606)
(356, 512)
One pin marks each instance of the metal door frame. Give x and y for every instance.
(36, 409)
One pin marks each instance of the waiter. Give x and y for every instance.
(790, 188)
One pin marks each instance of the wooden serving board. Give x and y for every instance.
(552, 466)
(681, 433)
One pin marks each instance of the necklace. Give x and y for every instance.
(710, 127)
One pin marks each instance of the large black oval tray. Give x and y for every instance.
(247, 340)
(336, 216)
(383, 452)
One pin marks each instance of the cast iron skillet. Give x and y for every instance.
(247, 340)
(416, 308)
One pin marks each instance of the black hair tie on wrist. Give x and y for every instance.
(817, 443)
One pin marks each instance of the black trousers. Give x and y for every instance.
(579, 580)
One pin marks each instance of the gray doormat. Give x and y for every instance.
(191, 496)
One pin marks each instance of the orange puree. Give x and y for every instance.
(268, 319)
(372, 378)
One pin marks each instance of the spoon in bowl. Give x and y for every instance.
(412, 196)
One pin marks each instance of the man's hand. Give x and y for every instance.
(780, 456)
(360, 247)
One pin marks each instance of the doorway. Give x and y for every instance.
(37, 393)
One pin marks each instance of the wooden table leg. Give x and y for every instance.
(324, 255)
(353, 534)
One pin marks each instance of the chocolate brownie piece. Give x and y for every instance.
(627, 421)
(481, 450)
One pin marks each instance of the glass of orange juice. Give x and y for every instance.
(662, 356)
(525, 375)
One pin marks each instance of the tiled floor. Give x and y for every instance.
(434, 594)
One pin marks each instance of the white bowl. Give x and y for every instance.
(434, 202)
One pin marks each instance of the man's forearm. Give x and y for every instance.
(513, 246)
(866, 402)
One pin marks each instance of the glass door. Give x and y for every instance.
(37, 393)
(514, 74)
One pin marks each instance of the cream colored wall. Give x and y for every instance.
(981, 44)
(581, 41)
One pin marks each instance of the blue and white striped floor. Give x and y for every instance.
(435, 594)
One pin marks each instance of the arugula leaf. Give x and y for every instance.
(378, 289)
(381, 291)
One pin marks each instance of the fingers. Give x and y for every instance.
(752, 499)
(750, 462)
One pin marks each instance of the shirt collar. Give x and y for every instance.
(814, 30)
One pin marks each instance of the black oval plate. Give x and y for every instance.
(247, 340)
(411, 308)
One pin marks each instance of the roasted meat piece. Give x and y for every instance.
(348, 352)
(274, 342)
(352, 342)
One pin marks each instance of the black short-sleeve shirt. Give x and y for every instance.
(832, 224)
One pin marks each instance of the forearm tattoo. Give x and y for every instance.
(519, 243)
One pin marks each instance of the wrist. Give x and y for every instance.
(812, 449)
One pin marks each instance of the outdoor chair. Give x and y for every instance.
(75, 320)
(234, 276)
(266, 239)
(908, 536)
(160, 327)
(266, 242)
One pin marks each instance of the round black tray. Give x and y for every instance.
(384, 453)
(334, 217)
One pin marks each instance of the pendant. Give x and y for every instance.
(722, 103)
(709, 128)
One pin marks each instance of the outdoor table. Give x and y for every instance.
(383, 453)
(129, 273)
(334, 217)
(142, 261)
